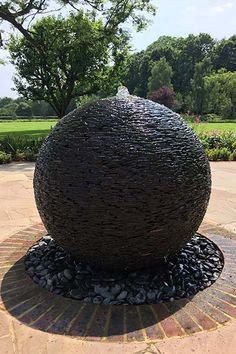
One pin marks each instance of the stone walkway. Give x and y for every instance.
(222, 207)
(17, 206)
(31, 323)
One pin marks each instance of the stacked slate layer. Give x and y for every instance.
(122, 183)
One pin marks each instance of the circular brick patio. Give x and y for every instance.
(38, 308)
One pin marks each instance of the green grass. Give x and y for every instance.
(20, 128)
(42, 128)
(212, 127)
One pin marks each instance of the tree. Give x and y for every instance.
(165, 95)
(140, 64)
(220, 88)
(165, 46)
(190, 58)
(144, 71)
(20, 14)
(24, 109)
(132, 75)
(41, 108)
(224, 55)
(193, 49)
(4, 101)
(202, 68)
(8, 106)
(137, 73)
(182, 54)
(71, 65)
(161, 75)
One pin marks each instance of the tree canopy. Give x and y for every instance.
(202, 69)
(20, 14)
(191, 59)
(161, 75)
(73, 62)
(220, 89)
(225, 54)
(25, 108)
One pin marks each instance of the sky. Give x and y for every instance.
(174, 18)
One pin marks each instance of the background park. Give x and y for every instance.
(59, 55)
(64, 57)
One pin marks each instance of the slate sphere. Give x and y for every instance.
(122, 183)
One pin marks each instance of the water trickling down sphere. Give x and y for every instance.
(122, 183)
(122, 92)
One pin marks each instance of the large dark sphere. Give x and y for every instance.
(122, 183)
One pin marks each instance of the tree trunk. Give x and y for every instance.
(59, 108)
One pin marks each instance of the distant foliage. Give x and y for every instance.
(220, 93)
(199, 100)
(21, 107)
(165, 96)
(224, 55)
(191, 61)
(161, 74)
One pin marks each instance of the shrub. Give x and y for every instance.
(211, 117)
(233, 156)
(165, 95)
(224, 154)
(214, 140)
(219, 154)
(4, 157)
(188, 118)
(213, 155)
(25, 156)
(16, 145)
(219, 146)
(20, 148)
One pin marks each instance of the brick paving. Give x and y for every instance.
(36, 308)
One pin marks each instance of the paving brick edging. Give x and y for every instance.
(38, 308)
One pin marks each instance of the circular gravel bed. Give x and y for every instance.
(194, 268)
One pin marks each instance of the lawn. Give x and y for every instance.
(21, 140)
(42, 128)
(29, 128)
(208, 127)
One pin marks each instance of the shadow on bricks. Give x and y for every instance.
(38, 308)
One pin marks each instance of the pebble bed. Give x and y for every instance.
(194, 268)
